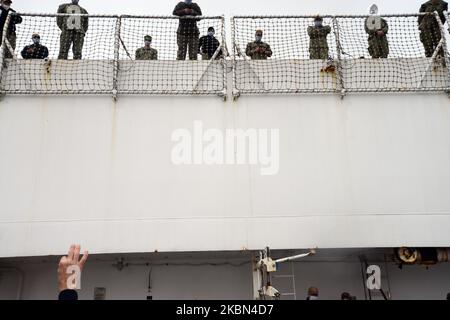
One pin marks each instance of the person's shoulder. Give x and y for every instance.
(41, 47)
(63, 7)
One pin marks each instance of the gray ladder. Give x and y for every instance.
(287, 276)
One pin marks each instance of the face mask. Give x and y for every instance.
(188, 1)
(148, 43)
(36, 40)
(313, 298)
(211, 33)
(258, 38)
(318, 23)
(75, 2)
(6, 7)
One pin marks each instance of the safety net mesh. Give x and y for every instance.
(339, 54)
(108, 54)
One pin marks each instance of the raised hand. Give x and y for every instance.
(72, 259)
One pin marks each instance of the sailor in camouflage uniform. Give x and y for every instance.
(5, 9)
(377, 28)
(318, 45)
(35, 50)
(188, 33)
(258, 50)
(430, 33)
(73, 29)
(147, 52)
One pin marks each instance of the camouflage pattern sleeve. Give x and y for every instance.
(60, 20)
(137, 55)
(24, 52)
(197, 10)
(16, 18)
(268, 51)
(45, 52)
(177, 10)
(85, 21)
(384, 26)
(249, 50)
(421, 10)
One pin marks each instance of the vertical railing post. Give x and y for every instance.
(3, 46)
(116, 57)
(235, 93)
(447, 15)
(224, 60)
(339, 68)
(444, 45)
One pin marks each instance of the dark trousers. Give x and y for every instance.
(12, 41)
(185, 42)
(430, 37)
(71, 38)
